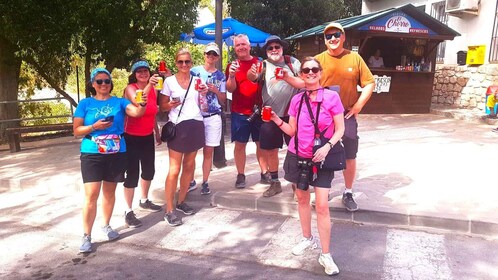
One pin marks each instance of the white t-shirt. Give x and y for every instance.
(375, 63)
(191, 109)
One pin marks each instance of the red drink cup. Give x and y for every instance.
(279, 73)
(162, 65)
(266, 114)
(197, 83)
(260, 67)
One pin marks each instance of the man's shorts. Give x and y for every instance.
(292, 172)
(350, 138)
(212, 130)
(241, 128)
(99, 167)
(271, 136)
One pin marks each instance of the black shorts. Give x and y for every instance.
(292, 170)
(271, 136)
(99, 167)
(189, 137)
(350, 138)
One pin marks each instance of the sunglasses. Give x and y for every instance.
(336, 35)
(106, 81)
(187, 62)
(307, 70)
(270, 48)
(211, 53)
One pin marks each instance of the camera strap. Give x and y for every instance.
(306, 98)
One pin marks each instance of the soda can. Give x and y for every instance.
(197, 83)
(279, 73)
(138, 96)
(260, 67)
(159, 85)
(266, 114)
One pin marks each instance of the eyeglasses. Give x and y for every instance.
(336, 35)
(270, 48)
(307, 70)
(211, 53)
(106, 81)
(187, 62)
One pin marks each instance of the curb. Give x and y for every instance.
(288, 207)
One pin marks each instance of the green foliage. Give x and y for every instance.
(288, 17)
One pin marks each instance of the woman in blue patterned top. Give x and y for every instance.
(100, 120)
(211, 108)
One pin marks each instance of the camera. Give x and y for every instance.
(255, 113)
(304, 174)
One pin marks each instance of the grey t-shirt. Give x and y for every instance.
(278, 93)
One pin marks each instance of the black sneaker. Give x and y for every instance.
(265, 178)
(131, 220)
(348, 201)
(172, 219)
(205, 189)
(148, 205)
(187, 210)
(241, 181)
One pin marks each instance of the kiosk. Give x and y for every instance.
(407, 39)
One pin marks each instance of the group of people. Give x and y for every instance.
(316, 94)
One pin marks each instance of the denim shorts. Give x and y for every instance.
(242, 128)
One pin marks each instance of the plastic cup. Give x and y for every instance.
(266, 114)
(279, 73)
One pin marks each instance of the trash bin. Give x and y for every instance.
(489, 91)
(461, 57)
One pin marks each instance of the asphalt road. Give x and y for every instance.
(227, 244)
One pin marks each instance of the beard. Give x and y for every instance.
(275, 57)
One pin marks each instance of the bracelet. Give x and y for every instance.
(93, 128)
(282, 123)
(330, 144)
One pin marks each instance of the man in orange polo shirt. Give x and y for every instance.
(346, 69)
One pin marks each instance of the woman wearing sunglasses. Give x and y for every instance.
(180, 97)
(140, 134)
(300, 165)
(100, 120)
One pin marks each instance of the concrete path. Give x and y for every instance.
(420, 170)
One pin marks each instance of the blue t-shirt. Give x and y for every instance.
(91, 110)
(217, 78)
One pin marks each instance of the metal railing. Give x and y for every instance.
(37, 118)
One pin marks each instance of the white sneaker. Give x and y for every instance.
(328, 263)
(304, 245)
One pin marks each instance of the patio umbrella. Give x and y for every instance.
(230, 27)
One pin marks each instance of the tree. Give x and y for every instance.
(288, 17)
(46, 34)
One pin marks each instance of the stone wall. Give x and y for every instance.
(463, 86)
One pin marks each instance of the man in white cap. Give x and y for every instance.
(277, 93)
(346, 69)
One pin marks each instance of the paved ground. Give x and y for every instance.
(413, 170)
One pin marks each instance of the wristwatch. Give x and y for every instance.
(330, 144)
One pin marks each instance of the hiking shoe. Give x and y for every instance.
(275, 188)
(205, 189)
(187, 210)
(241, 181)
(172, 219)
(348, 201)
(495, 129)
(328, 263)
(303, 245)
(110, 233)
(192, 186)
(148, 205)
(86, 245)
(131, 220)
(265, 178)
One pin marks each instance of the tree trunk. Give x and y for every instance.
(10, 67)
